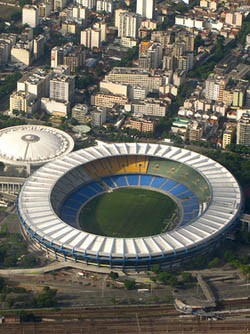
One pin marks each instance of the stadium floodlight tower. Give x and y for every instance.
(51, 199)
(31, 146)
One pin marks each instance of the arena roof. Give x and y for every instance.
(33, 144)
(34, 205)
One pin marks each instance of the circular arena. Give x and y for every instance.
(207, 196)
(33, 145)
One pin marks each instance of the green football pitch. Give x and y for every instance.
(128, 213)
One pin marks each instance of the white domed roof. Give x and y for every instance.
(33, 144)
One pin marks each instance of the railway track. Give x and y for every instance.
(145, 326)
(130, 319)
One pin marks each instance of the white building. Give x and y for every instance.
(129, 25)
(55, 108)
(21, 53)
(62, 88)
(104, 6)
(145, 8)
(103, 27)
(30, 16)
(99, 116)
(149, 108)
(58, 53)
(38, 46)
(90, 4)
(117, 16)
(23, 102)
(79, 112)
(36, 82)
(91, 38)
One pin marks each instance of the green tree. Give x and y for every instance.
(129, 284)
(29, 261)
(113, 275)
(214, 263)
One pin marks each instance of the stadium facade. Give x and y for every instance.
(207, 194)
(33, 145)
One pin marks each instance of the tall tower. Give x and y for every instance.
(145, 8)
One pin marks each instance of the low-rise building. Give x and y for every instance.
(99, 117)
(108, 100)
(79, 112)
(142, 124)
(228, 135)
(23, 102)
(55, 108)
(149, 107)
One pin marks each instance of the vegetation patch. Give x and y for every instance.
(128, 213)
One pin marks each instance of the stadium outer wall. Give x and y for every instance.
(136, 262)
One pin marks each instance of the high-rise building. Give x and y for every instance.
(36, 82)
(117, 16)
(234, 19)
(22, 102)
(91, 38)
(30, 16)
(103, 27)
(38, 46)
(129, 25)
(215, 85)
(104, 6)
(228, 136)
(62, 88)
(58, 53)
(90, 4)
(243, 130)
(99, 116)
(145, 8)
(79, 112)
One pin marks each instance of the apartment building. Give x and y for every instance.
(142, 125)
(22, 101)
(62, 88)
(136, 77)
(36, 83)
(149, 107)
(243, 130)
(79, 112)
(108, 100)
(30, 16)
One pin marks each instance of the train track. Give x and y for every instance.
(130, 319)
(145, 326)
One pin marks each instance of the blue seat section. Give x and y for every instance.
(169, 185)
(96, 186)
(157, 182)
(145, 180)
(68, 211)
(120, 180)
(85, 190)
(68, 219)
(77, 197)
(109, 182)
(185, 194)
(133, 179)
(178, 189)
(72, 204)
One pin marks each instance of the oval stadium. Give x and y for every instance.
(169, 204)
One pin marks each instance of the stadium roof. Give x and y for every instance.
(33, 144)
(36, 210)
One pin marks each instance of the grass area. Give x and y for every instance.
(128, 213)
(183, 174)
(7, 11)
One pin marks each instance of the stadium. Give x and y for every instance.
(203, 198)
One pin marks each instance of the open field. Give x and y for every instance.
(7, 11)
(128, 213)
